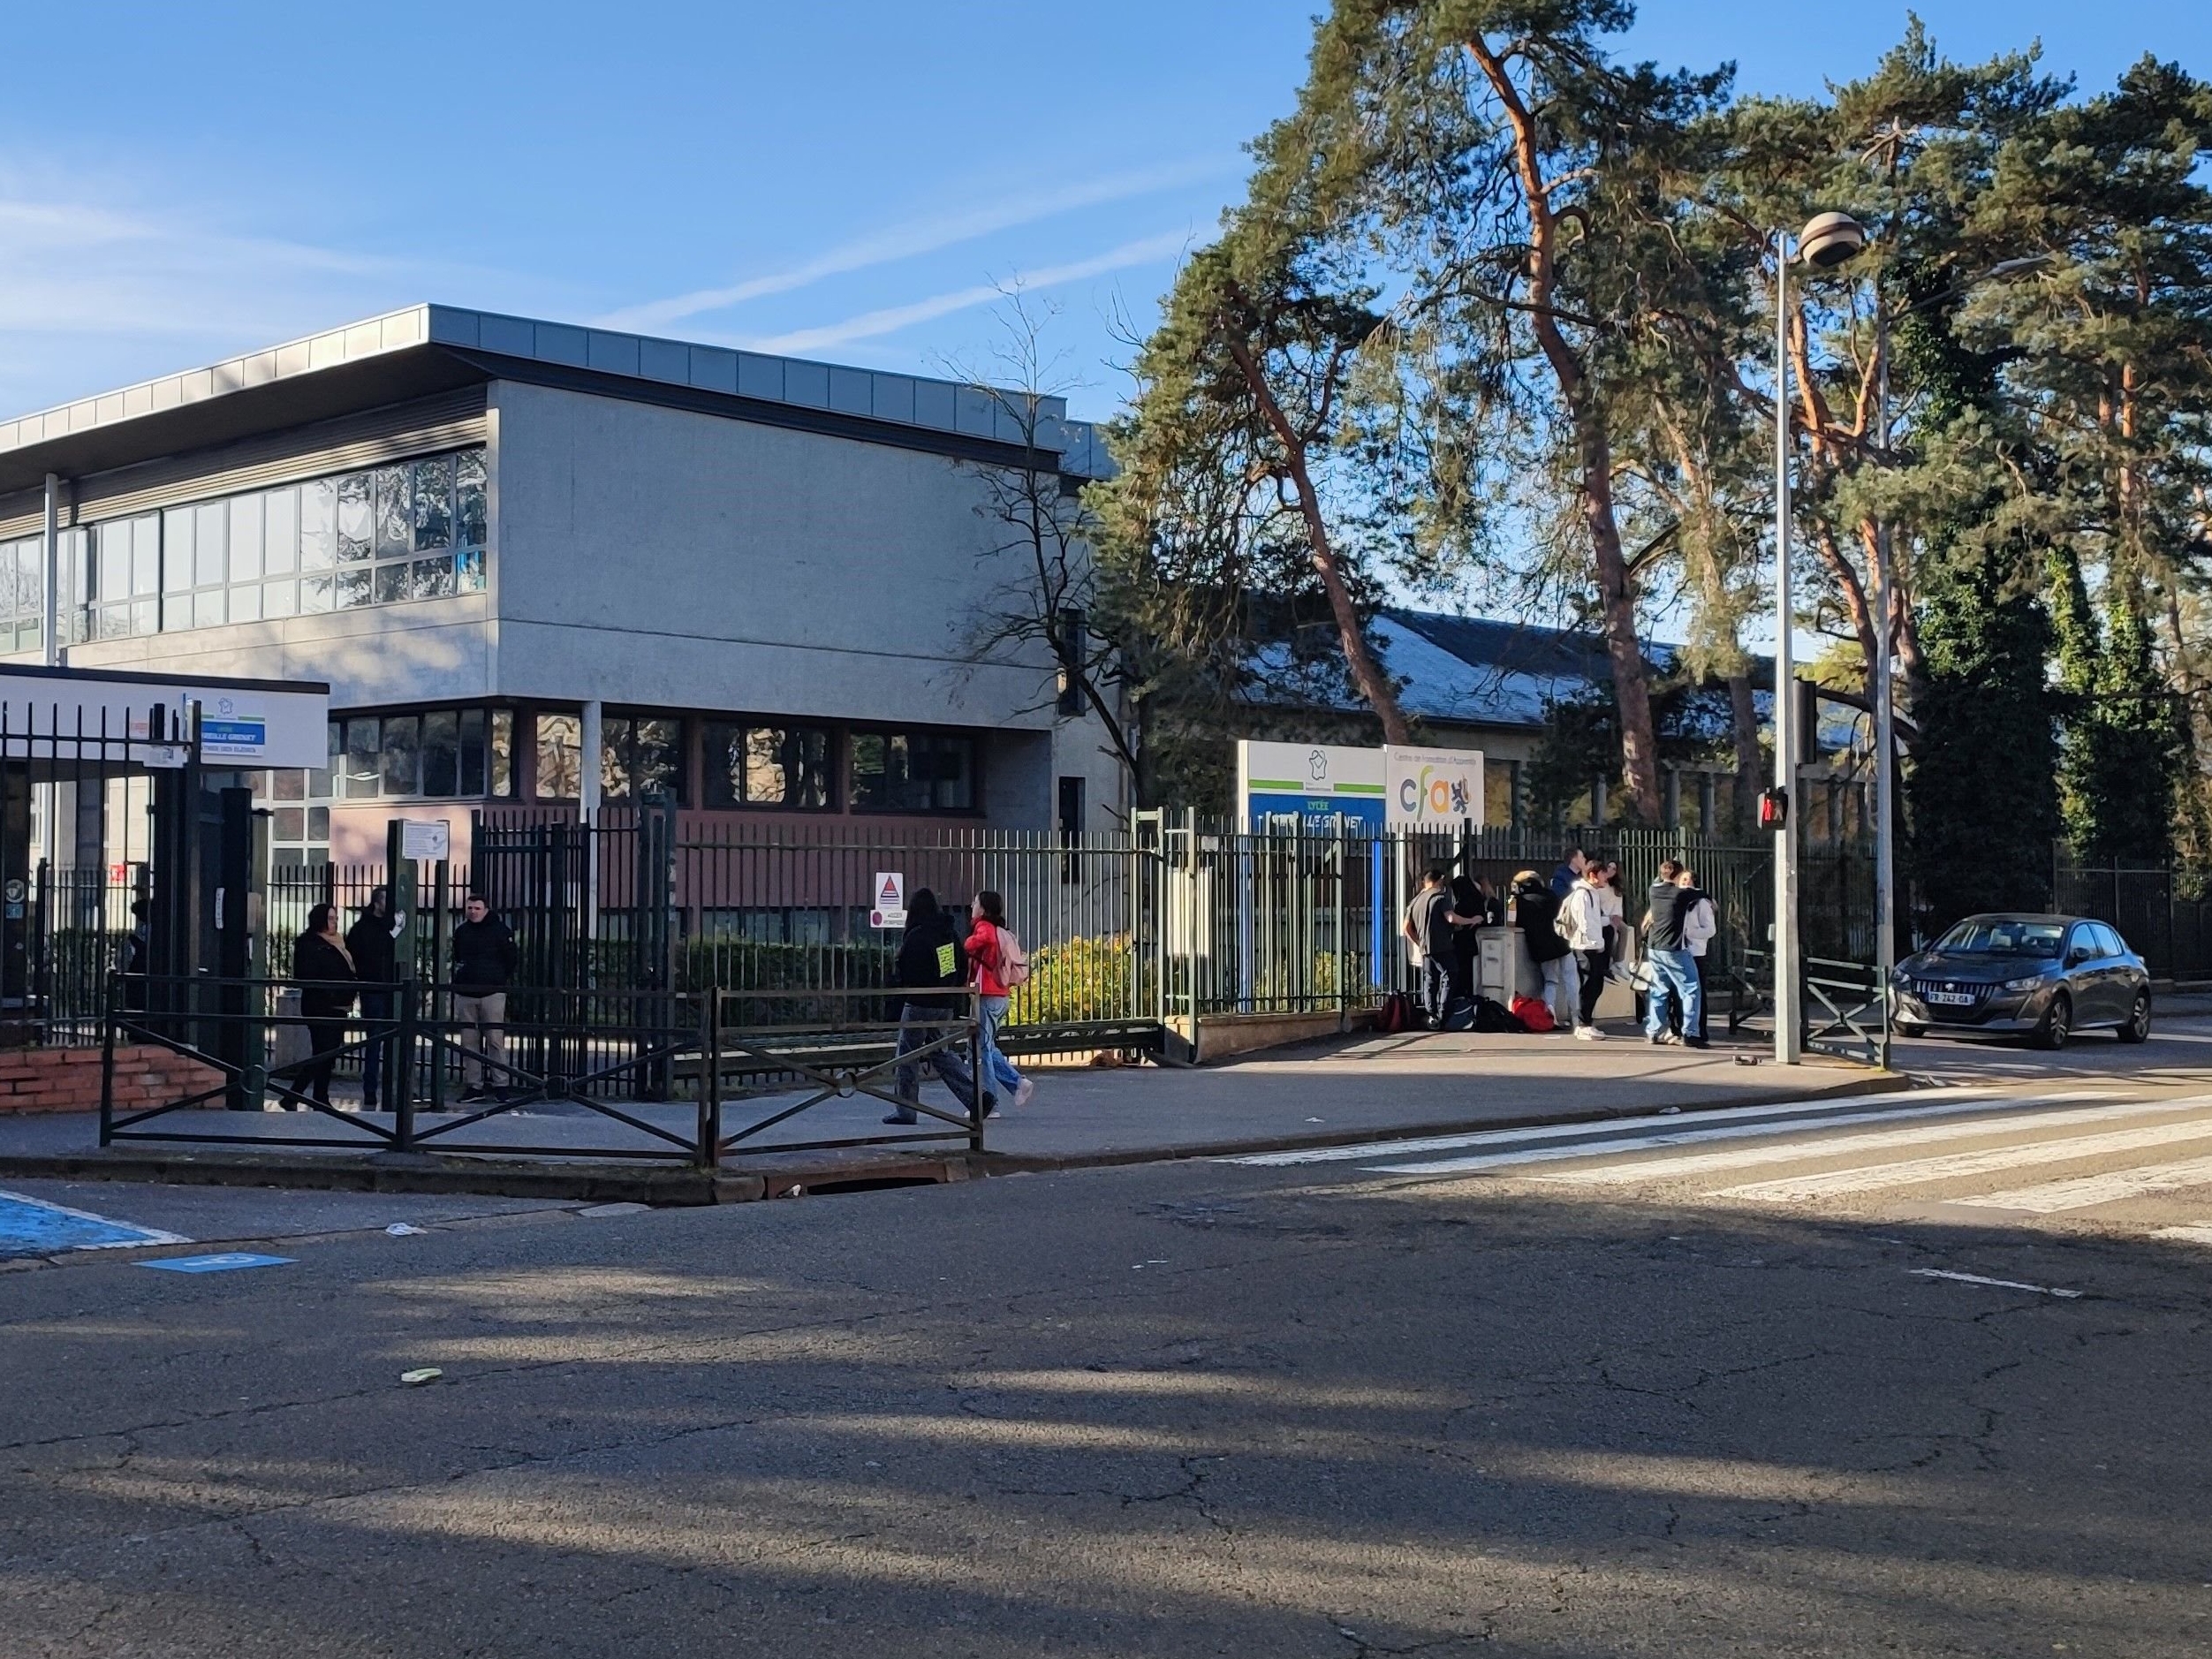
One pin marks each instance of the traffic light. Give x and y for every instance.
(1773, 808)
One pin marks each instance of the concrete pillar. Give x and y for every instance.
(1672, 812)
(590, 763)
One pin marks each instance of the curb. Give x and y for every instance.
(795, 1174)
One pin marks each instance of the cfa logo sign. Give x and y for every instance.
(1429, 796)
(1433, 789)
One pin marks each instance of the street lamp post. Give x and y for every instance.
(1828, 239)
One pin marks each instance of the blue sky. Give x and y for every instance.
(850, 179)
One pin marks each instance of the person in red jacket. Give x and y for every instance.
(988, 914)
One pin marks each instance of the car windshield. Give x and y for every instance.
(1986, 936)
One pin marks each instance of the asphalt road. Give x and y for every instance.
(1772, 1383)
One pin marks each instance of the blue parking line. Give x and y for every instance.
(32, 1227)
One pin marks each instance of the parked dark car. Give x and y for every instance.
(2039, 977)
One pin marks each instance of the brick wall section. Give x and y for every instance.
(68, 1079)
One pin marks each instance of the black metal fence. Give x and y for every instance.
(556, 1077)
(2161, 913)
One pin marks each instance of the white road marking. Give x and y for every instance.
(1953, 1166)
(2089, 1190)
(2002, 1285)
(1602, 1126)
(2201, 1233)
(1686, 1136)
(1746, 1157)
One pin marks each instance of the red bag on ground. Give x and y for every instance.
(1536, 1014)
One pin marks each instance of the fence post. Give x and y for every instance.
(107, 1064)
(403, 1070)
(710, 1077)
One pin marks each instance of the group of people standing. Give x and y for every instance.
(335, 969)
(1575, 928)
(936, 955)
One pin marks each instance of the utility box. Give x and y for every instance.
(1502, 970)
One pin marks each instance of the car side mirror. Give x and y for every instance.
(2076, 957)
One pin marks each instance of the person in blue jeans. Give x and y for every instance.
(987, 959)
(1673, 965)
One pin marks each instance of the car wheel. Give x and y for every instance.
(2057, 1024)
(1905, 1030)
(2138, 1026)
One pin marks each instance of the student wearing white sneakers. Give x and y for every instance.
(1582, 917)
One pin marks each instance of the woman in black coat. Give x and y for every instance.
(324, 969)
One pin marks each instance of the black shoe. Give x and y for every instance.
(471, 1096)
(896, 1119)
(1696, 1042)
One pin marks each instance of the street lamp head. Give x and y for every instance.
(1829, 238)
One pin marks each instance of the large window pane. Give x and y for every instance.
(112, 579)
(146, 555)
(471, 510)
(318, 524)
(473, 756)
(503, 753)
(560, 752)
(178, 549)
(442, 753)
(281, 512)
(246, 538)
(209, 533)
(392, 584)
(468, 572)
(314, 594)
(207, 608)
(280, 599)
(430, 577)
(395, 531)
(434, 503)
(246, 603)
(766, 766)
(402, 766)
(901, 771)
(352, 589)
(364, 757)
(356, 519)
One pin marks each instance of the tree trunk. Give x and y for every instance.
(1593, 453)
(1367, 678)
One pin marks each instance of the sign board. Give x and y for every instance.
(424, 841)
(886, 906)
(1432, 789)
(233, 729)
(243, 723)
(1317, 781)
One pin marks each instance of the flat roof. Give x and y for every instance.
(428, 348)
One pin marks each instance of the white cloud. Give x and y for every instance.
(891, 318)
(913, 238)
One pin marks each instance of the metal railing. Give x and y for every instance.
(617, 1058)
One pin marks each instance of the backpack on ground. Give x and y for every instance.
(1395, 1015)
(1460, 1014)
(1533, 1014)
(1493, 1016)
(1013, 961)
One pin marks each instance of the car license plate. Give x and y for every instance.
(1951, 999)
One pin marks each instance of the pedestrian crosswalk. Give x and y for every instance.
(2072, 1154)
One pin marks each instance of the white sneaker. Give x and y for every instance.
(1589, 1034)
(1022, 1094)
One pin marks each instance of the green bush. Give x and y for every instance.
(1081, 979)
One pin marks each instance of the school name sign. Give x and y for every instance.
(1389, 788)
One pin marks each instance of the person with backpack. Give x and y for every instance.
(930, 955)
(1538, 915)
(1582, 921)
(1000, 964)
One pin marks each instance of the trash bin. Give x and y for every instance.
(288, 1045)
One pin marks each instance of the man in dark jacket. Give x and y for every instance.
(1536, 913)
(371, 942)
(484, 963)
(930, 956)
(1673, 966)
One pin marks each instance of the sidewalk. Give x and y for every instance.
(1365, 1087)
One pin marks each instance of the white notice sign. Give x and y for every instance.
(424, 841)
(887, 908)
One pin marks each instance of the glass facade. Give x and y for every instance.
(407, 530)
(640, 752)
(766, 766)
(912, 771)
(435, 753)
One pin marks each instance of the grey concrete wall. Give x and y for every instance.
(659, 557)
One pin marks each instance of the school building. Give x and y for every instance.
(546, 567)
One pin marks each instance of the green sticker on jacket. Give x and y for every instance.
(948, 963)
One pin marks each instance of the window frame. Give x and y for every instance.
(855, 733)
